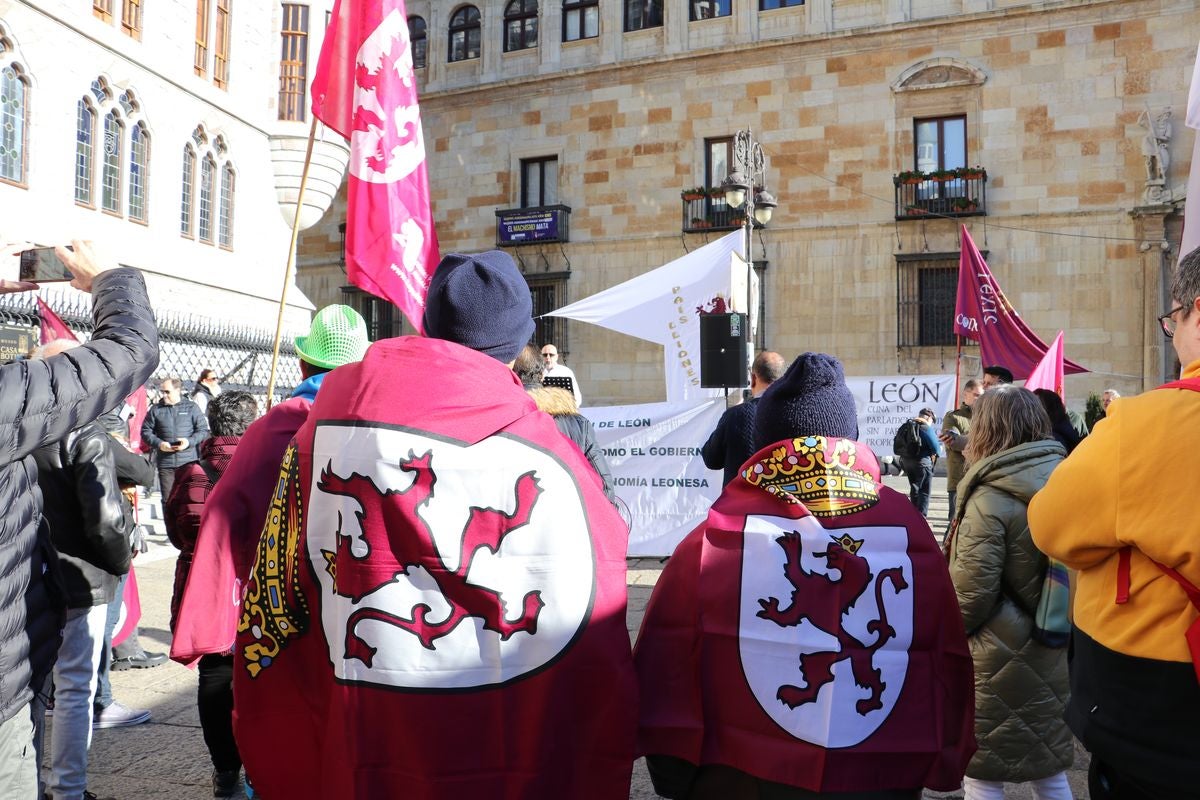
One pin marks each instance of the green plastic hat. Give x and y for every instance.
(338, 336)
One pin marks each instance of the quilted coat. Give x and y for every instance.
(1021, 687)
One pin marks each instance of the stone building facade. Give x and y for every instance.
(1060, 102)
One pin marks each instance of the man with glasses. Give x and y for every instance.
(553, 369)
(1121, 511)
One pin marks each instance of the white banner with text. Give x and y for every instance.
(884, 403)
(654, 453)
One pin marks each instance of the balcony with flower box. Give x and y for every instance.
(705, 211)
(958, 192)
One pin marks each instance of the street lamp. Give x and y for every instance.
(741, 188)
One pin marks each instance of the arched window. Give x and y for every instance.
(642, 14)
(208, 172)
(85, 137)
(417, 40)
(520, 25)
(14, 120)
(464, 34)
(189, 180)
(110, 170)
(581, 19)
(225, 228)
(139, 170)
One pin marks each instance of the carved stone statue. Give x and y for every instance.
(1156, 150)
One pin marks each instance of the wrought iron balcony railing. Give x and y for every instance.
(704, 212)
(944, 193)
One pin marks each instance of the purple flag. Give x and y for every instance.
(984, 314)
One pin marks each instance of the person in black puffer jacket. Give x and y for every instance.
(41, 402)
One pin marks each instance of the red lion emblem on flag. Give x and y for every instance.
(397, 540)
(811, 601)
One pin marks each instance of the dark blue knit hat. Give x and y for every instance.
(810, 399)
(481, 302)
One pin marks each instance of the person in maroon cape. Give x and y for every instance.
(437, 609)
(804, 640)
(204, 624)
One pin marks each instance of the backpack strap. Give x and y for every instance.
(1193, 593)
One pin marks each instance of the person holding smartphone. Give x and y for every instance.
(174, 428)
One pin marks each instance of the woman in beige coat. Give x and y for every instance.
(1021, 686)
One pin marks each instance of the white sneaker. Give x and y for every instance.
(119, 716)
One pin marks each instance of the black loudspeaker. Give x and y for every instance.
(723, 342)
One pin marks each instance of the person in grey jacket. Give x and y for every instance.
(174, 427)
(1021, 686)
(42, 401)
(89, 524)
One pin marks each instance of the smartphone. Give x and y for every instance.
(42, 265)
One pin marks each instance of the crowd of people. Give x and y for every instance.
(409, 582)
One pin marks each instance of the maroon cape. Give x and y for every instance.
(437, 609)
(807, 633)
(230, 526)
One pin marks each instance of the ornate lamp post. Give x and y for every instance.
(746, 185)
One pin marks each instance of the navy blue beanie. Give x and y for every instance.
(810, 399)
(481, 302)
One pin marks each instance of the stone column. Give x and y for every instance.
(1158, 357)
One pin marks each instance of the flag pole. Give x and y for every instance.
(957, 368)
(291, 261)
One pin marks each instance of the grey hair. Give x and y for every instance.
(1185, 288)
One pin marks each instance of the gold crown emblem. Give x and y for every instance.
(817, 473)
(849, 544)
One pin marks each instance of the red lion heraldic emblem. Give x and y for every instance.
(842, 636)
(809, 602)
(381, 515)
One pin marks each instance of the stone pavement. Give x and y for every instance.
(166, 757)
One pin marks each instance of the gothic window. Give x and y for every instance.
(208, 171)
(418, 41)
(520, 25)
(110, 166)
(139, 170)
(225, 228)
(85, 136)
(14, 121)
(189, 180)
(464, 33)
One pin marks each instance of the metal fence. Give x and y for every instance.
(188, 344)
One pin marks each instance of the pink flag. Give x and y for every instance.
(1191, 209)
(131, 610)
(984, 314)
(365, 90)
(52, 326)
(1048, 374)
(140, 403)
